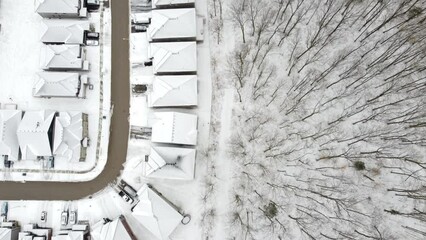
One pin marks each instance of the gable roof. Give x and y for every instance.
(159, 3)
(156, 214)
(179, 90)
(5, 234)
(68, 136)
(64, 31)
(9, 123)
(114, 230)
(56, 84)
(33, 134)
(72, 235)
(170, 163)
(58, 6)
(174, 57)
(172, 23)
(61, 57)
(175, 128)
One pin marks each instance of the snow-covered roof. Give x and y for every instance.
(64, 31)
(28, 231)
(173, 57)
(61, 57)
(66, 8)
(172, 23)
(170, 163)
(163, 3)
(114, 230)
(70, 236)
(68, 136)
(179, 90)
(175, 128)
(155, 213)
(9, 123)
(35, 134)
(6, 234)
(57, 84)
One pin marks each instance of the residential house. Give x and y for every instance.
(174, 128)
(172, 3)
(61, 8)
(172, 25)
(9, 230)
(174, 91)
(170, 163)
(9, 145)
(65, 31)
(46, 134)
(60, 84)
(63, 57)
(174, 57)
(155, 213)
(115, 230)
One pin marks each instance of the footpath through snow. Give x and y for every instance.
(224, 166)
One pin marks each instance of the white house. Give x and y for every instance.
(60, 84)
(9, 123)
(70, 136)
(174, 128)
(170, 163)
(173, 57)
(47, 133)
(65, 31)
(174, 91)
(61, 8)
(70, 236)
(115, 230)
(172, 24)
(172, 3)
(32, 232)
(35, 134)
(155, 213)
(9, 231)
(63, 57)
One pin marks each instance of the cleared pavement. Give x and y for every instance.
(120, 95)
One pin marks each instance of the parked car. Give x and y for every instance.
(128, 189)
(7, 163)
(73, 218)
(43, 217)
(126, 197)
(64, 218)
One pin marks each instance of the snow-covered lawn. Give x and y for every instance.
(20, 46)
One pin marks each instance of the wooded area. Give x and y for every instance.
(329, 128)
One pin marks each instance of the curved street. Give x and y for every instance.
(120, 95)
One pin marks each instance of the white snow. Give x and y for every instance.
(21, 31)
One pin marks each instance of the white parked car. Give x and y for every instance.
(73, 218)
(64, 218)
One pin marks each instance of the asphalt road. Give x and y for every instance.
(120, 95)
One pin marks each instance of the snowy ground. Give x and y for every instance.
(184, 194)
(20, 53)
(224, 165)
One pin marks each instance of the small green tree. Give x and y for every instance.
(359, 165)
(271, 210)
